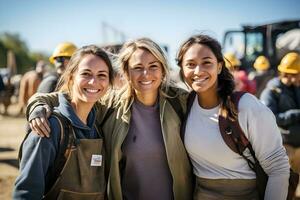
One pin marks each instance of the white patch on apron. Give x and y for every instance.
(96, 160)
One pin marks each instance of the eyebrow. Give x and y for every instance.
(188, 60)
(154, 62)
(101, 71)
(207, 57)
(136, 64)
(191, 59)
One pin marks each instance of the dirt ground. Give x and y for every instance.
(12, 132)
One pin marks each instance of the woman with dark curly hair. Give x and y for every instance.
(220, 172)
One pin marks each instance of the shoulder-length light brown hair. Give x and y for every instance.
(65, 81)
(125, 54)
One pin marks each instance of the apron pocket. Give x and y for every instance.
(71, 195)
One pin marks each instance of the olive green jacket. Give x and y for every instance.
(115, 130)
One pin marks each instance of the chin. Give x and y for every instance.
(148, 90)
(145, 89)
(199, 89)
(90, 99)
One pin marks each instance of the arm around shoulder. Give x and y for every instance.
(41, 99)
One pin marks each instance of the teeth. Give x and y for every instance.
(92, 90)
(199, 80)
(146, 82)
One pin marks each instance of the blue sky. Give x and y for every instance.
(43, 24)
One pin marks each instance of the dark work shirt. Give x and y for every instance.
(48, 84)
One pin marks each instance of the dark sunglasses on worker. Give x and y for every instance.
(61, 59)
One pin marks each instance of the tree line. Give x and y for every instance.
(25, 59)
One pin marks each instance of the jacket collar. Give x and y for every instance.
(127, 104)
(67, 110)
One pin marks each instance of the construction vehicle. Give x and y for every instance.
(272, 40)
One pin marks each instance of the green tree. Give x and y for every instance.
(25, 59)
(14, 43)
(38, 56)
(3, 57)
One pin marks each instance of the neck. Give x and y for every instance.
(208, 99)
(82, 110)
(147, 99)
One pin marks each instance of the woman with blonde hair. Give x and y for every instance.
(147, 159)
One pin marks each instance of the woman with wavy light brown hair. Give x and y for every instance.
(77, 172)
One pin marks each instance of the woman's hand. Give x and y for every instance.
(40, 126)
(39, 120)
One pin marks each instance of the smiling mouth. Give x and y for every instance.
(199, 80)
(93, 91)
(146, 82)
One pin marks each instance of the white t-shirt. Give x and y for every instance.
(213, 159)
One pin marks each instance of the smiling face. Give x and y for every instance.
(90, 81)
(145, 73)
(200, 69)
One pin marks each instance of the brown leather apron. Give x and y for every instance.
(82, 176)
(229, 189)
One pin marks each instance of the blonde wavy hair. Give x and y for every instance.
(125, 54)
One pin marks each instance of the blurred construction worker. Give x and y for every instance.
(6, 93)
(60, 58)
(282, 96)
(262, 74)
(298, 81)
(242, 83)
(2, 86)
(2, 94)
(29, 84)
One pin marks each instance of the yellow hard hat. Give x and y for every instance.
(290, 64)
(65, 49)
(231, 60)
(261, 63)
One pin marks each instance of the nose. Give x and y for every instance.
(145, 71)
(197, 69)
(92, 80)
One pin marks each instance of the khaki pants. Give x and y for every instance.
(225, 189)
(294, 158)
